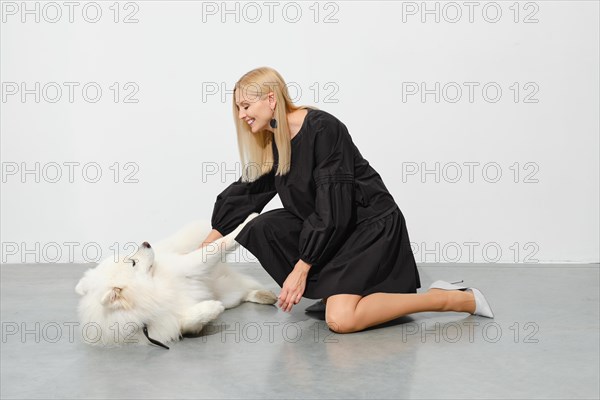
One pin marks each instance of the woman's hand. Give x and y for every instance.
(213, 236)
(294, 285)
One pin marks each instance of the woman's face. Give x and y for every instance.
(255, 111)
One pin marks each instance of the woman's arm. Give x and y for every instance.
(212, 236)
(240, 199)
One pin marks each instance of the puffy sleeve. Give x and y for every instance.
(325, 230)
(240, 199)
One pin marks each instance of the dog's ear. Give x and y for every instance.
(111, 296)
(115, 299)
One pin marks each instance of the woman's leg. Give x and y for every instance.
(272, 237)
(345, 313)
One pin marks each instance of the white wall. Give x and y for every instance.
(544, 208)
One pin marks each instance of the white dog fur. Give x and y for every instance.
(171, 287)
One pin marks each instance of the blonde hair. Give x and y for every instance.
(255, 149)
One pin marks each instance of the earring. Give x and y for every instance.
(273, 121)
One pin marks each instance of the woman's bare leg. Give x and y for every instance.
(350, 313)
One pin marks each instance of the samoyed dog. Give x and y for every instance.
(164, 290)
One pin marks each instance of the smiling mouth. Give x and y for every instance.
(251, 121)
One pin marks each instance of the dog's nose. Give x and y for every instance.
(146, 245)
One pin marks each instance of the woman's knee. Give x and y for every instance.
(340, 313)
(265, 224)
(258, 226)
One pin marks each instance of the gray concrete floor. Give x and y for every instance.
(543, 343)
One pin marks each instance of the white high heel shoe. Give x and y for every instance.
(482, 307)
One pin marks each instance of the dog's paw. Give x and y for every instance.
(230, 239)
(230, 243)
(250, 217)
(200, 314)
(262, 297)
(81, 288)
(211, 309)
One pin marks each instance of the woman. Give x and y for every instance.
(340, 236)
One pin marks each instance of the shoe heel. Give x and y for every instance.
(482, 307)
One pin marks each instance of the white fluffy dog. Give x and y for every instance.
(165, 290)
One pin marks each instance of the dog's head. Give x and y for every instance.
(120, 298)
(115, 282)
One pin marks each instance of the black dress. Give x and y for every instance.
(338, 216)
